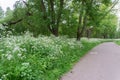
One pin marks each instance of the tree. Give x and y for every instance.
(1, 13)
(40, 15)
(90, 13)
(51, 11)
(67, 17)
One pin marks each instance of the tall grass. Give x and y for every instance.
(43, 58)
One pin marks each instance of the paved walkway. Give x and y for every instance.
(101, 63)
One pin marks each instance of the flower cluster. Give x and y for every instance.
(29, 58)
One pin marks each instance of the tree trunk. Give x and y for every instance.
(80, 33)
(88, 32)
(78, 29)
(59, 17)
(55, 20)
(55, 32)
(79, 25)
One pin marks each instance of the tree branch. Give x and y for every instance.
(12, 22)
(114, 3)
(60, 12)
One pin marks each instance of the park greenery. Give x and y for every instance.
(43, 39)
(74, 18)
(42, 58)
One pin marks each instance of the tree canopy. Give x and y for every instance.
(75, 18)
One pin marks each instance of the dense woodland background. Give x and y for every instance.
(73, 18)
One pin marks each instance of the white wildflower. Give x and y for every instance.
(24, 50)
(9, 56)
(25, 64)
(19, 55)
(4, 75)
(64, 21)
(23, 57)
(1, 50)
(17, 48)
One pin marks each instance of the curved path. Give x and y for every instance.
(101, 63)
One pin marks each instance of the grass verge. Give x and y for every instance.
(117, 41)
(42, 58)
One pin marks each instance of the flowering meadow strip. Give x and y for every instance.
(42, 58)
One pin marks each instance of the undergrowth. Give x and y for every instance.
(43, 58)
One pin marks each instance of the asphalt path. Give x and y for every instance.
(101, 63)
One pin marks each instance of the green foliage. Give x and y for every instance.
(107, 27)
(8, 16)
(117, 41)
(48, 17)
(1, 13)
(42, 58)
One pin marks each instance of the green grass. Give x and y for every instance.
(117, 41)
(42, 58)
